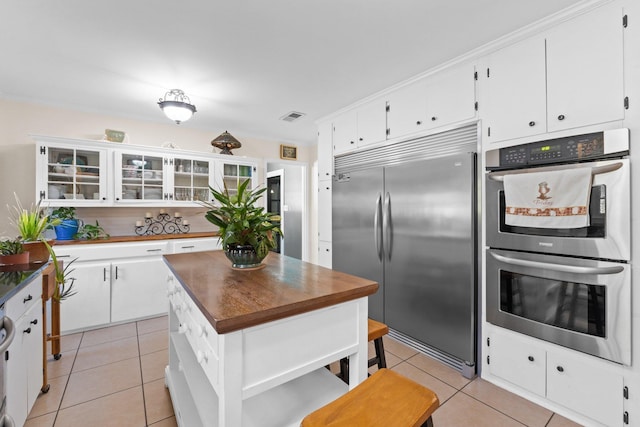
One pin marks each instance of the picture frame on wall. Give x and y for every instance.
(288, 152)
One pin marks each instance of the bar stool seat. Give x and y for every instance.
(375, 331)
(385, 399)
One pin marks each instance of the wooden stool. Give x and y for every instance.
(376, 330)
(385, 399)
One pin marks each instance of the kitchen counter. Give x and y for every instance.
(120, 239)
(236, 299)
(15, 277)
(249, 348)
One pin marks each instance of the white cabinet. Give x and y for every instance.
(325, 258)
(233, 173)
(115, 282)
(581, 383)
(324, 211)
(189, 178)
(195, 245)
(585, 70)
(325, 152)
(90, 306)
(515, 101)
(569, 77)
(138, 288)
(360, 127)
(140, 177)
(407, 110)
(24, 363)
(70, 175)
(450, 96)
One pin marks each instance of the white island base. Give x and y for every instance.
(266, 375)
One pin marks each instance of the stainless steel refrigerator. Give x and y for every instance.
(412, 228)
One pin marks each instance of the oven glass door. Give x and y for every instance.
(578, 303)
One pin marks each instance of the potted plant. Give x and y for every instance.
(31, 223)
(12, 252)
(246, 231)
(91, 232)
(64, 283)
(69, 224)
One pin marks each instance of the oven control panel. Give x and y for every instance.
(570, 149)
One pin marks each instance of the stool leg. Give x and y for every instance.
(382, 360)
(428, 423)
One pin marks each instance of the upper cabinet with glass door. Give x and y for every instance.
(235, 173)
(190, 178)
(71, 175)
(139, 177)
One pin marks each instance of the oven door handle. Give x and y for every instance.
(556, 267)
(499, 176)
(10, 330)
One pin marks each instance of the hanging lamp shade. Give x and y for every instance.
(177, 106)
(226, 142)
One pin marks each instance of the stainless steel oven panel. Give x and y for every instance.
(615, 346)
(615, 245)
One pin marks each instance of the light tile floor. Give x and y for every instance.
(115, 377)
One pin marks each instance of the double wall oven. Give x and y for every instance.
(567, 285)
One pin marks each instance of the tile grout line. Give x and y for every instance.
(144, 399)
(66, 384)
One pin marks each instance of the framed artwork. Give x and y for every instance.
(288, 152)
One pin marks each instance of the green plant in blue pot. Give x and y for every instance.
(69, 224)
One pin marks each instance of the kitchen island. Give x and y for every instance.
(249, 347)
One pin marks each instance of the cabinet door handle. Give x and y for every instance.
(434, 118)
(532, 123)
(418, 122)
(360, 139)
(104, 274)
(116, 272)
(560, 368)
(27, 298)
(531, 359)
(561, 117)
(352, 142)
(27, 331)
(34, 322)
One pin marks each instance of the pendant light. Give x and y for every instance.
(177, 106)
(226, 142)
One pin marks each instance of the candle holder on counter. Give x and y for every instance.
(162, 224)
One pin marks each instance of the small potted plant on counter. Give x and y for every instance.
(12, 252)
(31, 223)
(246, 231)
(69, 224)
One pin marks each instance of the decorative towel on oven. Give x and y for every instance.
(549, 199)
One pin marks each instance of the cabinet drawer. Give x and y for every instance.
(195, 245)
(111, 250)
(24, 300)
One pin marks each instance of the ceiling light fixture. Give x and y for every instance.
(179, 109)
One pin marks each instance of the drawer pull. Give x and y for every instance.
(63, 256)
(27, 331)
(188, 247)
(27, 298)
(34, 322)
(154, 250)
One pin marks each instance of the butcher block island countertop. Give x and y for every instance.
(234, 299)
(249, 348)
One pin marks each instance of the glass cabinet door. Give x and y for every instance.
(74, 174)
(236, 174)
(141, 177)
(191, 179)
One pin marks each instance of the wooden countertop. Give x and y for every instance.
(118, 239)
(234, 299)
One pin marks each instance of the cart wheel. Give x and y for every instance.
(57, 356)
(45, 389)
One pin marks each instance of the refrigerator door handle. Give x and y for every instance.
(386, 225)
(377, 226)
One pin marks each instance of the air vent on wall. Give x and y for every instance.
(290, 117)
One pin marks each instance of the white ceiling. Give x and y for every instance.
(243, 63)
